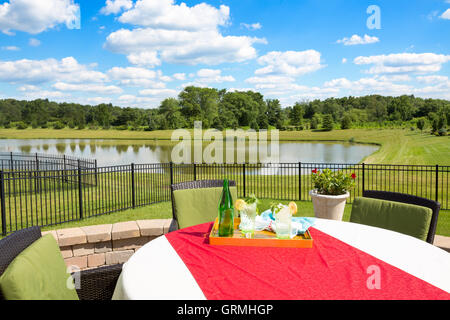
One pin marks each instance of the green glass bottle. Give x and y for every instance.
(226, 212)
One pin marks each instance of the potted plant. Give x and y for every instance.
(331, 190)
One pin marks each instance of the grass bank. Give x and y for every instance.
(397, 146)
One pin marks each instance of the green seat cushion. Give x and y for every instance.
(405, 218)
(38, 273)
(196, 206)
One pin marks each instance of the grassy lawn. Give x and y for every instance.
(163, 210)
(397, 146)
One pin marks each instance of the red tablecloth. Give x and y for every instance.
(331, 269)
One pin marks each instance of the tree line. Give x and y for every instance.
(223, 109)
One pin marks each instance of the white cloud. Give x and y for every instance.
(344, 60)
(34, 42)
(212, 76)
(164, 14)
(37, 16)
(356, 39)
(96, 88)
(432, 79)
(293, 63)
(145, 59)
(179, 76)
(140, 77)
(179, 34)
(446, 15)
(253, 26)
(159, 92)
(183, 47)
(11, 48)
(35, 71)
(403, 63)
(116, 6)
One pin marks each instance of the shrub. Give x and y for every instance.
(346, 122)
(21, 125)
(44, 125)
(7, 125)
(58, 125)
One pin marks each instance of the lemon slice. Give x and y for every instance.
(292, 207)
(240, 204)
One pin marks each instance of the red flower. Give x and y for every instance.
(353, 176)
(314, 171)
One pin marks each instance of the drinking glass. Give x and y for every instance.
(283, 223)
(248, 217)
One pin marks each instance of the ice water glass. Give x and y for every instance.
(283, 223)
(248, 217)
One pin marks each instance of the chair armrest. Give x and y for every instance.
(99, 283)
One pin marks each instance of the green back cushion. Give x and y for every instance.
(196, 206)
(38, 273)
(401, 217)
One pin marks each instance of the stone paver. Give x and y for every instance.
(131, 243)
(125, 230)
(442, 242)
(83, 249)
(98, 233)
(101, 247)
(154, 227)
(80, 262)
(116, 257)
(66, 252)
(167, 224)
(71, 236)
(95, 260)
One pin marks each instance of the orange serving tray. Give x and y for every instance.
(260, 239)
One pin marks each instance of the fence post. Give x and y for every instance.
(363, 177)
(96, 172)
(243, 177)
(12, 162)
(195, 171)
(80, 191)
(133, 191)
(437, 182)
(2, 199)
(171, 172)
(299, 181)
(37, 176)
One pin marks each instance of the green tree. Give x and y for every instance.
(420, 124)
(346, 121)
(327, 123)
(296, 114)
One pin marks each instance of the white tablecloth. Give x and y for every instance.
(156, 271)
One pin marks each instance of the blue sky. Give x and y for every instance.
(136, 53)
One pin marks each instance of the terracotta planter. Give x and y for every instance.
(328, 207)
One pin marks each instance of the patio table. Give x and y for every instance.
(347, 261)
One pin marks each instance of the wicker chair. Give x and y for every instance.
(410, 199)
(95, 284)
(193, 185)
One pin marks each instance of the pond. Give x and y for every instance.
(115, 152)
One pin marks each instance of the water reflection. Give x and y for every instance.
(113, 152)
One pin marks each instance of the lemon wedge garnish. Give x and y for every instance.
(240, 204)
(292, 207)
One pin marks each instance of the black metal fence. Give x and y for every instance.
(40, 161)
(49, 197)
